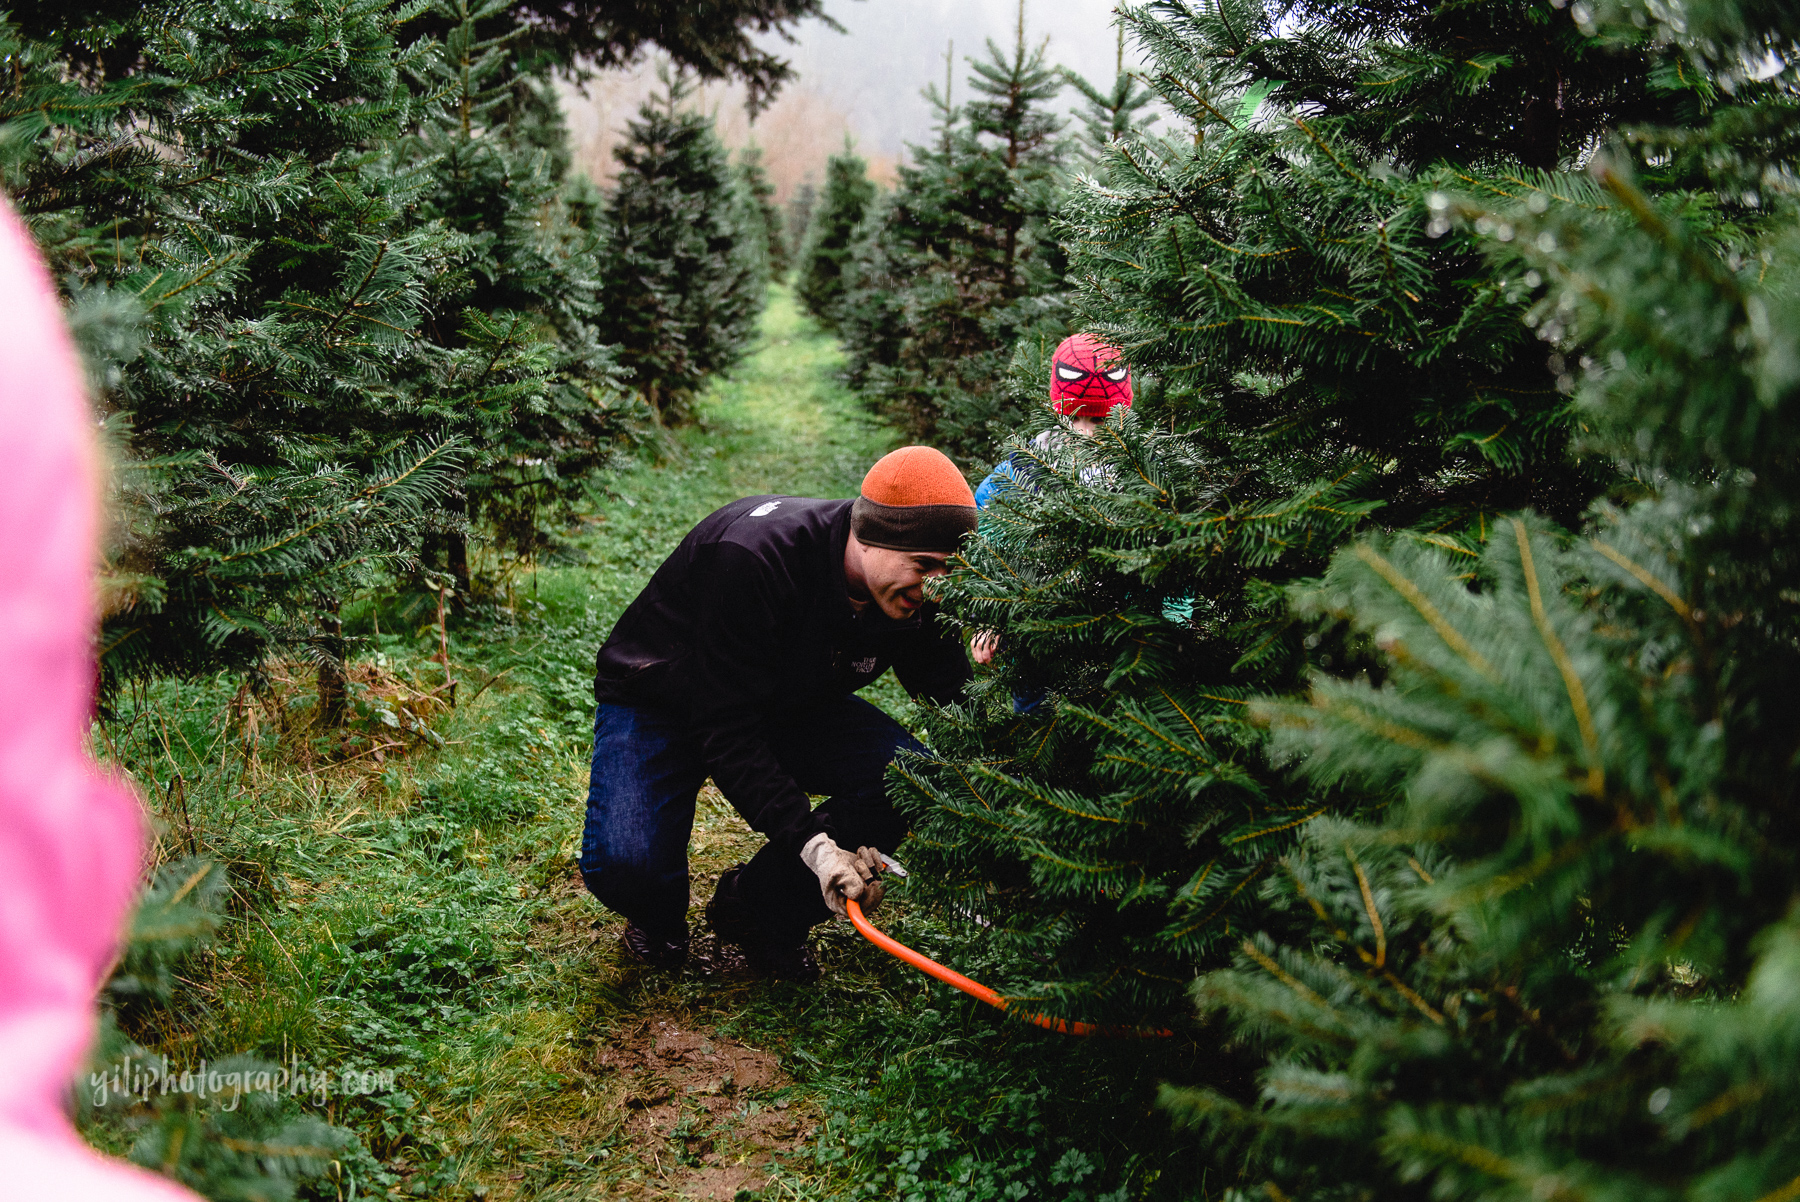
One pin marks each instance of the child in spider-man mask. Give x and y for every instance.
(1088, 378)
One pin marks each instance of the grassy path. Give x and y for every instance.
(643, 1095)
(404, 898)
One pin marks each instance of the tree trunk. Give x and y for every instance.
(332, 688)
(457, 564)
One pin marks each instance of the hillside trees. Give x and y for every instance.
(1563, 962)
(831, 225)
(959, 264)
(1331, 353)
(683, 277)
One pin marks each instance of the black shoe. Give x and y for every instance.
(782, 960)
(653, 950)
(787, 958)
(727, 914)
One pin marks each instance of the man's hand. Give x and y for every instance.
(844, 874)
(983, 646)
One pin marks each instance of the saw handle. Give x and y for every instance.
(976, 989)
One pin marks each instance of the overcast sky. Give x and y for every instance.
(864, 82)
(892, 48)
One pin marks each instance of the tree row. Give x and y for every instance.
(1417, 648)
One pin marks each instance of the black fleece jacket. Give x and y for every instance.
(749, 624)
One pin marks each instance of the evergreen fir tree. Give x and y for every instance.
(1293, 278)
(250, 276)
(799, 216)
(1108, 117)
(1119, 831)
(762, 192)
(1324, 352)
(528, 380)
(681, 284)
(960, 265)
(1397, 80)
(1562, 962)
(301, 323)
(1590, 982)
(749, 223)
(830, 228)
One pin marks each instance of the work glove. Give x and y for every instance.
(844, 874)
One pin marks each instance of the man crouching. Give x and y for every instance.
(739, 660)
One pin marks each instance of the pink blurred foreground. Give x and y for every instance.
(70, 840)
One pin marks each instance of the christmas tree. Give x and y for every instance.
(959, 265)
(528, 382)
(1319, 351)
(334, 286)
(1108, 117)
(250, 278)
(682, 283)
(1397, 80)
(798, 216)
(1562, 961)
(830, 227)
(762, 193)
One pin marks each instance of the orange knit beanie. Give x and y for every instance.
(913, 499)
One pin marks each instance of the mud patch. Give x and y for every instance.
(704, 1114)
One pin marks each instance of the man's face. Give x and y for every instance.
(896, 579)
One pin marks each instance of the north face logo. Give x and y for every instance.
(765, 509)
(863, 665)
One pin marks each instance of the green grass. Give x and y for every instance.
(416, 908)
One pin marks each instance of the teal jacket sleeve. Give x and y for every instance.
(1003, 476)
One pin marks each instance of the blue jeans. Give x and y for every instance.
(647, 771)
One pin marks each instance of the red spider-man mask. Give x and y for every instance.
(1087, 377)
